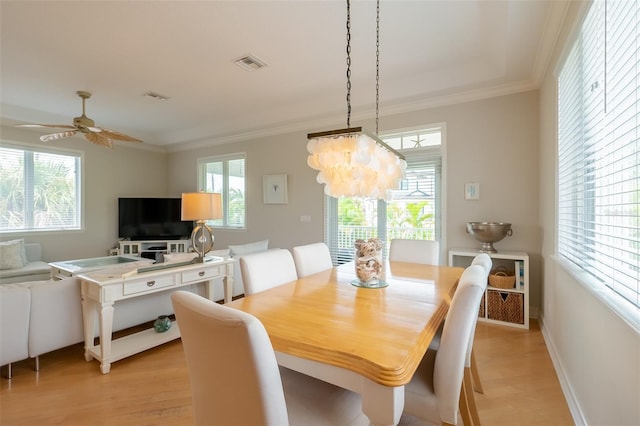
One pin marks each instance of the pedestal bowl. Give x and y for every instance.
(488, 233)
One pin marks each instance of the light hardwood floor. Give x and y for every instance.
(152, 388)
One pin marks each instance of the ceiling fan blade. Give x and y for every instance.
(54, 136)
(98, 139)
(119, 136)
(54, 126)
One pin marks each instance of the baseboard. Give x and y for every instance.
(567, 390)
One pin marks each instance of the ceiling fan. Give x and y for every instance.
(86, 126)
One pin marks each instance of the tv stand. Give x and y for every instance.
(149, 249)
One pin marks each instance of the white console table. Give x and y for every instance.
(104, 288)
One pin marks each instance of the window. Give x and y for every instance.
(39, 190)
(226, 175)
(414, 210)
(598, 149)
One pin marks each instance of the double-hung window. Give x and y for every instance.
(40, 190)
(225, 175)
(414, 209)
(598, 204)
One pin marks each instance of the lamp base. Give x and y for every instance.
(201, 240)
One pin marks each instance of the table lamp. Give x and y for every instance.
(201, 206)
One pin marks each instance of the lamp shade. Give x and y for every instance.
(201, 206)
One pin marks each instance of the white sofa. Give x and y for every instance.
(236, 252)
(35, 269)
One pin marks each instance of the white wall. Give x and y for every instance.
(596, 354)
(108, 174)
(493, 142)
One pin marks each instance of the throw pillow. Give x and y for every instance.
(241, 249)
(12, 254)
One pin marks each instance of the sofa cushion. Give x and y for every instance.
(12, 255)
(56, 315)
(241, 249)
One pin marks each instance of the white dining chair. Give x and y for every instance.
(235, 378)
(414, 251)
(311, 258)
(435, 393)
(267, 269)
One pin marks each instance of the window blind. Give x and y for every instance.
(598, 143)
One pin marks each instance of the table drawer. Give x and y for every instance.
(203, 274)
(142, 285)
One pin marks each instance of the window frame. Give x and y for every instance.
(224, 159)
(79, 160)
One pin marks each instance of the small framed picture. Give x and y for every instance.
(274, 189)
(471, 191)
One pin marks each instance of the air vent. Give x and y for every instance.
(156, 96)
(250, 63)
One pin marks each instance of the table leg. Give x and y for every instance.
(106, 328)
(89, 309)
(228, 288)
(383, 405)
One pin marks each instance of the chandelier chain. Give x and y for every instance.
(377, 63)
(348, 63)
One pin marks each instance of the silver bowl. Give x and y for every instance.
(489, 233)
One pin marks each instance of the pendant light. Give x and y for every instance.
(353, 162)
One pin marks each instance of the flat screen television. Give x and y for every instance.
(152, 219)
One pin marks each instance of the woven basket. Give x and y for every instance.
(501, 278)
(505, 306)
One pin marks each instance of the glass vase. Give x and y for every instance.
(368, 263)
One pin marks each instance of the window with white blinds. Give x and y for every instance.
(598, 149)
(413, 211)
(225, 175)
(39, 190)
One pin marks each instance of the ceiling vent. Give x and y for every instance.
(249, 63)
(156, 96)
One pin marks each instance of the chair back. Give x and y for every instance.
(232, 367)
(311, 258)
(426, 252)
(450, 358)
(267, 269)
(484, 260)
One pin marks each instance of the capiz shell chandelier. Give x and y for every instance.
(352, 162)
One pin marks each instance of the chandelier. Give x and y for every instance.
(352, 162)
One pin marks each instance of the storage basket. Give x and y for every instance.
(502, 278)
(505, 306)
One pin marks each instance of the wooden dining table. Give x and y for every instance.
(367, 340)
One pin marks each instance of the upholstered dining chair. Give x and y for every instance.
(311, 258)
(435, 393)
(267, 269)
(415, 251)
(471, 379)
(234, 375)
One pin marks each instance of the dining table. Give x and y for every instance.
(367, 340)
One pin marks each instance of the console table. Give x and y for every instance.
(102, 289)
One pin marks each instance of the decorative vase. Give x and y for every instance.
(162, 324)
(368, 263)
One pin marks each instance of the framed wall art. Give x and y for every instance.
(274, 189)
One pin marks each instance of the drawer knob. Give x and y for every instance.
(201, 273)
(151, 283)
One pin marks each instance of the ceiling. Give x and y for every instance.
(431, 53)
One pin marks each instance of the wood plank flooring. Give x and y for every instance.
(152, 388)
